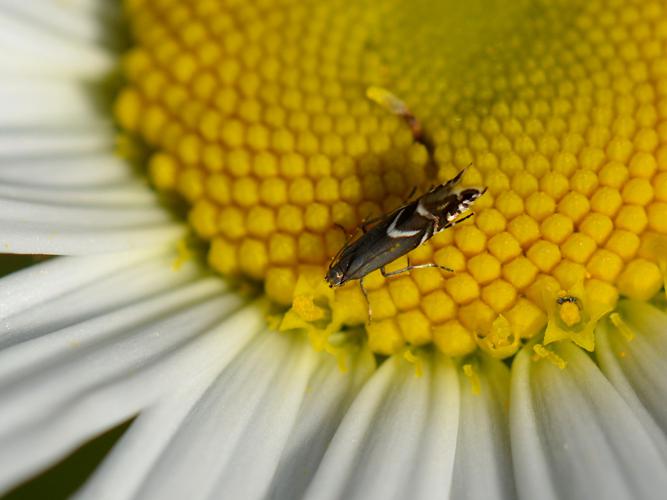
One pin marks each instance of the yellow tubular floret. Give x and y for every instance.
(284, 125)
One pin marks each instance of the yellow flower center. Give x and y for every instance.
(257, 114)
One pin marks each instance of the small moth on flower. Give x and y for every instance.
(390, 236)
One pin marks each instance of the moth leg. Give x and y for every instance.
(368, 302)
(458, 221)
(410, 195)
(410, 268)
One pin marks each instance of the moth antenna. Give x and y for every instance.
(394, 105)
(348, 238)
(457, 178)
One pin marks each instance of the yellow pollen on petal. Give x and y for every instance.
(184, 255)
(544, 353)
(416, 360)
(475, 383)
(286, 126)
(622, 327)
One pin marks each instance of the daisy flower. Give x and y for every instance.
(192, 167)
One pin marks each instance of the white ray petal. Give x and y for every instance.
(29, 49)
(45, 345)
(35, 237)
(329, 395)
(638, 367)
(127, 195)
(69, 19)
(78, 401)
(38, 101)
(68, 170)
(398, 439)
(483, 466)
(89, 7)
(437, 449)
(38, 380)
(38, 284)
(573, 436)
(236, 433)
(83, 216)
(648, 320)
(150, 280)
(130, 461)
(45, 144)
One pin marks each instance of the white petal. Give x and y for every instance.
(398, 439)
(83, 215)
(230, 443)
(38, 101)
(48, 238)
(40, 373)
(638, 367)
(54, 278)
(45, 345)
(125, 468)
(67, 170)
(80, 220)
(483, 466)
(28, 48)
(56, 143)
(69, 19)
(146, 281)
(573, 436)
(133, 195)
(93, 375)
(649, 321)
(329, 395)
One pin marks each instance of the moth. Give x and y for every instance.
(390, 236)
(393, 235)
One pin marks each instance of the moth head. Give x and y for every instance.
(449, 205)
(468, 195)
(335, 276)
(338, 272)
